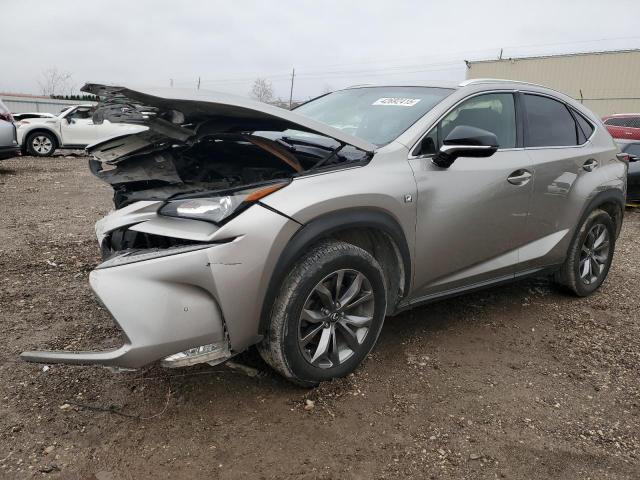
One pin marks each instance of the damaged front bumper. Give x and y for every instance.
(193, 304)
(164, 309)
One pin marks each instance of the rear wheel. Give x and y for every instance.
(327, 316)
(590, 255)
(41, 144)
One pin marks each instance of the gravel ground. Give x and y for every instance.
(517, 382)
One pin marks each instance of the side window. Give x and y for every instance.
(82, 113)
(549, 123)
(585, 127)
(494, 112)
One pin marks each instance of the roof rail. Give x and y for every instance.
(475, 81)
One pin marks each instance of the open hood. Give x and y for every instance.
(199, 141)
(171, 111)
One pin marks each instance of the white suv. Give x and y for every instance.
(72, 128)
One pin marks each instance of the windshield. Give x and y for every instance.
(376, 114)
(64, 110)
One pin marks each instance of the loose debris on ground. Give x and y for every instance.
(518, 382)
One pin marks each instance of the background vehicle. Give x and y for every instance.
(238, 223)
(8, 140)
(72, 128)
(27, 115)
(632, 148)
(623, 125)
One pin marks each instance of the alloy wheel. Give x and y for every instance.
(594, 254)
(336, 318)
(42, 144)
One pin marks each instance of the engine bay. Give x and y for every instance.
(214, 162)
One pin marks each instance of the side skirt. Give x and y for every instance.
(454, 292)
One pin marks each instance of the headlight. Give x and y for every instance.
(216, 208)
(133, 256)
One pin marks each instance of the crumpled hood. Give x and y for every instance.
(170, 112)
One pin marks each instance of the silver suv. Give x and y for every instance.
(237, 223)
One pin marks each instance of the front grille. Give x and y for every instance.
(125, 239)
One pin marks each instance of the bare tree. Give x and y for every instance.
(262, 90)
(55, 82)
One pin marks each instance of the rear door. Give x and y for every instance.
(556, 139)
(471, 216)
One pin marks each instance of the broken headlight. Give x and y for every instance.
(216, 208)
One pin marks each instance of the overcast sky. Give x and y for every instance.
(331, 44)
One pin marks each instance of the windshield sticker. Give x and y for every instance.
(396, 101)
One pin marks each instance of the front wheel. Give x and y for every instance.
(590, 255)
(41, 144)
(327, 316)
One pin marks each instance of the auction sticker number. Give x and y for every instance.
(396, 101)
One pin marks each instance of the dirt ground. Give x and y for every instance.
(518, 382)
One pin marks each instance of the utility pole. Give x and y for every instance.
(198, 83)
(171, 82)
(293, 75)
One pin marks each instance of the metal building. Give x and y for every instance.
(606, 82)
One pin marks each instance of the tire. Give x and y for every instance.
(41, 144)
(343, 329)
(588, 262)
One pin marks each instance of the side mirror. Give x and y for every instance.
(69, 120)
(465, 141)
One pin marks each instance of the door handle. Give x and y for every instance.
(590, 165)
(519, 177)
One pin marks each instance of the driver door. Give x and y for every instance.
(78, 127)
(471, 217)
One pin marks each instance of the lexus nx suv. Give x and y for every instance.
(237, 223)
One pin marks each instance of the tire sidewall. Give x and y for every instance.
(33, 152)
(298, 365)
(596, 217)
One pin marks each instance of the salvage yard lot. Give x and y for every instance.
(516, 382)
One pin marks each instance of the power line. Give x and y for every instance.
(341, 73)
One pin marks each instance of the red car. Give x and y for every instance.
(623, 125)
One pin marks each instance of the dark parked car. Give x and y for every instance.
(8, 139)
(623, 125)
(632, 148)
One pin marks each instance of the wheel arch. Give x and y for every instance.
(611, 201)
(372, 229)
(39, 129)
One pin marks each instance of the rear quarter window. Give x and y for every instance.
(585, 126)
